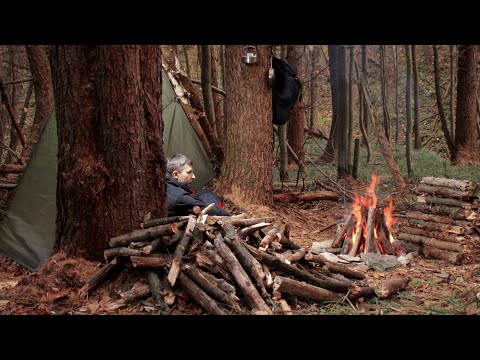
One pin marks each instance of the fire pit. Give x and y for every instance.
(367, 228)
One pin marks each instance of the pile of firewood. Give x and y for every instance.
(228, 265)
(439, 221)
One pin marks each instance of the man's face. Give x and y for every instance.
(185, 176)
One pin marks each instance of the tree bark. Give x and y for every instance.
(246, 173)
(417, 142)
(466, 135)
(43, 88)
(408, 130)
(110, 143)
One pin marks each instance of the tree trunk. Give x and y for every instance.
(247, 169)
(453, 62)
(296, 124)
(441, 113)
(43, 87)
(111, 164)
(342, 115)
(206, 75)
(282, 135)
(329, 152)
(408, 131)
(466, 136)
(417, 143)
(397, 120)
(383, 83)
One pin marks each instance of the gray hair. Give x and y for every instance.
(177, 162)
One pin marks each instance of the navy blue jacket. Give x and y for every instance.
(181, 203)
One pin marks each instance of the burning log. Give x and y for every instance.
(392, 287)
(304, 290)
(445, 245)
(337, 242)
(370, 242)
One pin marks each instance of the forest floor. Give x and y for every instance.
(436, 286)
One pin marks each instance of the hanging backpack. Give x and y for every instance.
(286, 90)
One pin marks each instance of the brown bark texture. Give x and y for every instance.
(111, 162)
(247, 168)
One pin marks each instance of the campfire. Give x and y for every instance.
(367, 227)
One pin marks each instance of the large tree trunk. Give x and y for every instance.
(296, 125)
(43, 88)
(417, 142)
(466, 135)
(111, 163)
(247, 169)
(408, 131)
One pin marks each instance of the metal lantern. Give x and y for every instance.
(249, 55)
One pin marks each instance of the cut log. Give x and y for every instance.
(143, 235)
(251, 229)
(209, 288)
(444, 191)
(444, 201)
(318, 280)
(427, 225)
(345, 271)
(268, 275)
(305, 197)
(428, 217)
(464, 185)
(222, 284)
(157, 290)
(433, 234)
(164, 221)
(450, 211)
(214, 263)
(384, 235)
(439, 244)
(267, 239)
(304, 290)
(154, 245)
(450, 256)
(337, 242)
(138, 291)
(391, 287)
(154, 261)
(249, 291)
(120, 251)
(180, 250)
(297, 255)
(97, 278)
(250, 264)
(402, 247)
(357, 241)
(293, 184)
(199, 295)
(239, 222)
(168, 293)
(363, 292)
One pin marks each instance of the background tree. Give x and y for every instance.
(110, 159)
(343, 155)
(408, 131)
(246, 173)
(296, 57)
(466, 135)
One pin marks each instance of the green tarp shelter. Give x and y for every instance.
(27, 231)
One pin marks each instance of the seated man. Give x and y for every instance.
(180, 198)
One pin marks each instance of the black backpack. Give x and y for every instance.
(285, 92)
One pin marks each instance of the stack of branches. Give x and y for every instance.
(228, 265)
(443, 215)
